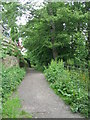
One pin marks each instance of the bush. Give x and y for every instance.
(69, 85)
(11, 78)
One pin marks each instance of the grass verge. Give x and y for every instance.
(12, 109)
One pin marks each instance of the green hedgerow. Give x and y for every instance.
(69, 85)
(11, 78)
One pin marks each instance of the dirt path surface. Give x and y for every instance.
(40, 100)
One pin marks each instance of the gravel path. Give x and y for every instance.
(40, 100)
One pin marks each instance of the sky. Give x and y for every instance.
(23, 20)
(38, 1)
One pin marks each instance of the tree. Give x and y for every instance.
(10, 12)
(57, 31)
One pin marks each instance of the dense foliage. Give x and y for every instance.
(58, 30)
(9, 47)
(71, 85)
(10, 11)
(11, 78)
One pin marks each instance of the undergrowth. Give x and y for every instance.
(12, 109)
(70, 85)
(11, 78)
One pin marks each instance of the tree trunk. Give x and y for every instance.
(52, 25)
(88, 57)
(54, 51)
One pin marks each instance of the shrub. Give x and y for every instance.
(69, 85)
(11, 78)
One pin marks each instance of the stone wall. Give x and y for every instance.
(10, 61)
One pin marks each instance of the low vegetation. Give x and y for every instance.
(12, 109)
(70, 85)
(11, 78)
